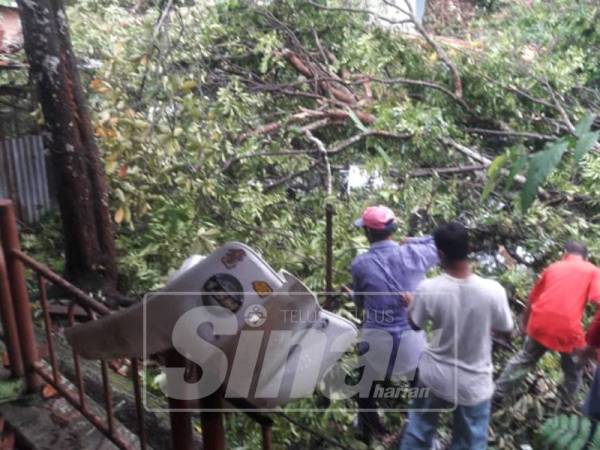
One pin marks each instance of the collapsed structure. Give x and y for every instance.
(260, 333)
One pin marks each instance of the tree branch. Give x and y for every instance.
(423, 83)
(358, 11)
(343, 145)
(510, 133)
(560, 109)
(428, 172)
(324, 154)
(520, 92)
(324, 117)
(458, 90)
(275, 184)
(477, 156)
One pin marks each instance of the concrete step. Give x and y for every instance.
(50, 424)
(7, 436)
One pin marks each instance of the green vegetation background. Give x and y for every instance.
(168, 118)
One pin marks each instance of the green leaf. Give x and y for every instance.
(10, 390)
(584, 125)
(383, 154)
(568, 432)
(515, 170)
(264, 63)
(541, 164)
(356, 120)
(493, 174)
(585, 143)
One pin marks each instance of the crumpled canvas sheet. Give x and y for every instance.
(300, 341)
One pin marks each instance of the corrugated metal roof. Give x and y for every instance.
(23, 176)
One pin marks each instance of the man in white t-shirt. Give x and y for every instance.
(462, 309)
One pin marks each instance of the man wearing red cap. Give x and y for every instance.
(390, 347)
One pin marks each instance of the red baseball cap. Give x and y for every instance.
(376, 218)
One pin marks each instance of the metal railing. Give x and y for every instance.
(22, 350)
(93, 309)
(36, 371)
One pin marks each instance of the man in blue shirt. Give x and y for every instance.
(380, 277)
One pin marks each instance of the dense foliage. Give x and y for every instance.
(181, 93)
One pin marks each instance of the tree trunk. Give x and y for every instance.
(82, 189)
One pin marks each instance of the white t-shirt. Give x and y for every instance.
(457, 364)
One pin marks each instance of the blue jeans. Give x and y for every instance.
(469, 430)
(591, 408)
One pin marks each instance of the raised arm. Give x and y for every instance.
(423, 249)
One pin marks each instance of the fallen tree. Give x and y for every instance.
(243, 121)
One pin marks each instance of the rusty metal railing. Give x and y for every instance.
(36, 371)
(78, 401)
(22, 350)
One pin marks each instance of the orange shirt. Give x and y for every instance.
(558, 302)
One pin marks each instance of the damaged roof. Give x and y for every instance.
(11, 38)
(11, 34)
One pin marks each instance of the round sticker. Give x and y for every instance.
(224, 290)
(255, 315)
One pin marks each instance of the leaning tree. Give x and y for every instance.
(81, 186)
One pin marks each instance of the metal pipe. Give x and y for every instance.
(76, 361)
(67, 395)
(267, 437)
(107, 396)
(16, 274)
(181, 426)
(9, 325)
(48, 327)
(211, 419)
(329, 255)
(79, 297)
(139, 407)
(182, 433)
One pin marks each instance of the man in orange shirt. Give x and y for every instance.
(552, 321)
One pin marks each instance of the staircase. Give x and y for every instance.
(7, 436)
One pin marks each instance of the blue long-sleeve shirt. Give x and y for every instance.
(390, 267)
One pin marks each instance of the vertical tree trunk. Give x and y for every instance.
(82, 190)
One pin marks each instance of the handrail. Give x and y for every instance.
(80, 297)
(36, 370)
(55, 379)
